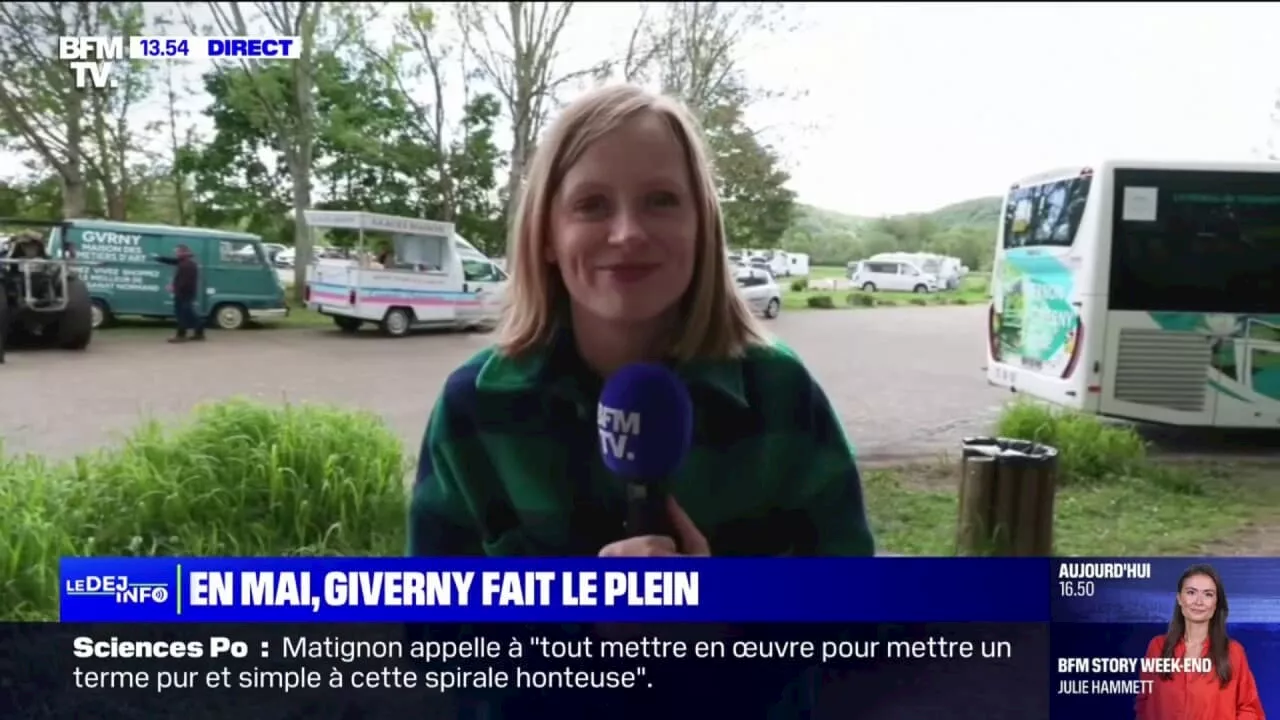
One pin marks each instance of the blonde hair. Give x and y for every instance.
(716, 322)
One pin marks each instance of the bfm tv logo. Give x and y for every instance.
(118, 587)
(616, 428)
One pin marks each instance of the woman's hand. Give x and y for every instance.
(688, 538)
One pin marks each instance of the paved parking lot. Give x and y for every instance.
(906, 381)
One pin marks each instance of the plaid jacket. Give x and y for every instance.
(510, 463)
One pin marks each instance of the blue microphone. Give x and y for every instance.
(645, 419)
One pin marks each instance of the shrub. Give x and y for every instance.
(823, 302)
(800, 284)
(919, 301)
(860, 299)
(1089, 450)
(958, 300)
(241, 480)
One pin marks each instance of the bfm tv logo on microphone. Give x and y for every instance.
(616, 428)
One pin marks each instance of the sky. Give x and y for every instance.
(927, 104)
(904, 107)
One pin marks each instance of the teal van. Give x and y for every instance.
(237, 284)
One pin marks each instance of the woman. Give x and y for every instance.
(619, 257)
(1199, 630)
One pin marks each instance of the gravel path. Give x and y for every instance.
(906, 381)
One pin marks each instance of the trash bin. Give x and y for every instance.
(1006, 498)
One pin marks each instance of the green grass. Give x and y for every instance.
(1112, 498)
(1128, 516)
(241, 480)
(826, 272)
(973, 290)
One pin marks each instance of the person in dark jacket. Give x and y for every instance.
(185, 285)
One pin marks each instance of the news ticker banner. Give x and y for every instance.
(942, 671)
(1103, 612)
(552, 590)
(93, 58)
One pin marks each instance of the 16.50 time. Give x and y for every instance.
(1075, 588)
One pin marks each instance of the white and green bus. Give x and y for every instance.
(1145, 291)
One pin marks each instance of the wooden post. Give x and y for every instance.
(1006, 498)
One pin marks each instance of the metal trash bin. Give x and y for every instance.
(1007, 489)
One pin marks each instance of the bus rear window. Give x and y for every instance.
(1045, 215)
(1213, 247)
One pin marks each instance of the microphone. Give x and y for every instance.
(645, 418)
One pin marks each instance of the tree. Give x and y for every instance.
(516, 48)
(288, 111)
(178, 134)
(691, 50)
(238, 178)
(448, 152)
(757, 204)
(83, 135)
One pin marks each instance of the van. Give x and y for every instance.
(945, 269)
(237, 284)
(433, 278)
(797, 264)
(892, 275)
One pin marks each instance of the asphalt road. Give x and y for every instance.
(905, 381)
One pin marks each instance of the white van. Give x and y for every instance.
(432, 278)
(891, 275)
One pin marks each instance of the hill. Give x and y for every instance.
(983, 212)
(966, 229)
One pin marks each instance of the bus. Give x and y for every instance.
(1142, 290)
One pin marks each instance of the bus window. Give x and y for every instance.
(1214, 246)
(1047, 214)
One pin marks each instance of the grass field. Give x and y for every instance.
(1114, 498)
(913, 510)
(973, 290)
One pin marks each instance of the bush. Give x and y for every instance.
(860, 299)
(919, 301)
(1089, 450)
(240, 480)
(800, 284)
(823, 302)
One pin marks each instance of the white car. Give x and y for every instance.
(894, 275)
(759, 290)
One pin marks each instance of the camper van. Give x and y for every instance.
(779, 263)
(431, 277)
(237, 283)
(945, 270)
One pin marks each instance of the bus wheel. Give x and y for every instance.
(920, 289)
(868, 287)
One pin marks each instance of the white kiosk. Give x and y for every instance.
(420, 278)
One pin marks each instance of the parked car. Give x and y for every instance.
(759, 289)
(892, 275)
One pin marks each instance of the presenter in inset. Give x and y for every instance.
(618, 257)
(1199, 630)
